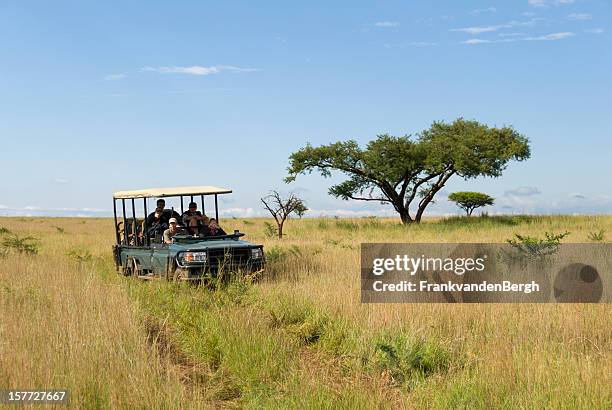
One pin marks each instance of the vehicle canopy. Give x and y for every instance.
(130, 222)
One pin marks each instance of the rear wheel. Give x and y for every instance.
(132, 268)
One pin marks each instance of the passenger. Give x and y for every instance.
(166, 213)
(194, 220)
(156, 223)
(214, 229)
(174, 230)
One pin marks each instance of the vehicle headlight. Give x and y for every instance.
(256, 253)
(192, 257)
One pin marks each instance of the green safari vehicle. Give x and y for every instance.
(141, 252)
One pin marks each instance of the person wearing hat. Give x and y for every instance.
(194, 220)
(171, 232)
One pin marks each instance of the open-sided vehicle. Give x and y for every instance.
(138, 252)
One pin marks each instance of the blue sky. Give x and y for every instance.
(98, 97)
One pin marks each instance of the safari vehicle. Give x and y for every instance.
(143, 254)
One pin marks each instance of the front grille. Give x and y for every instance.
(229, 257)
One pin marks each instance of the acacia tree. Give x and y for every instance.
(407, 172)
(468, 201)
(281, 208)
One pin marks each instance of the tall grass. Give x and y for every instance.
(299, 338)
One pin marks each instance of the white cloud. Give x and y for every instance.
(594, 30)
(579, 16)
(523, 191)
(552, 36)
(479, 30)
(61, 181)
(512, 34)
(484, 10)
(386, 24)
(473, 41)
(113, 77)
(241, 212)
(198, 70)
(546, 3)
(3, 207)
(579, 196)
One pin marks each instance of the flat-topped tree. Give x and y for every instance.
(407, 173)
(468, 201)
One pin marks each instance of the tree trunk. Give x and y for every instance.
(405, 216)
(280, 230)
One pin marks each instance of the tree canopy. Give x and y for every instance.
(468, 201)
(407, 172)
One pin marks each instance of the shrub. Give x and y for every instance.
(533, 247)
(28, 245)
(4, 231)
(597, 236)
(79, 255)
(270, 231)
(347, 225)
(59, 229)
(405, 359)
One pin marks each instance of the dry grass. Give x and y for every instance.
(66, 323)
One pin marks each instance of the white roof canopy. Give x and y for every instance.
(176, 191)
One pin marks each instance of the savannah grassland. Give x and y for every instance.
(297, 338)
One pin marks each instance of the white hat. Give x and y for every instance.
(173, 220)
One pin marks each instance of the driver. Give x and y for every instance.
(174, 230)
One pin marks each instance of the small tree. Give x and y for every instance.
(281, 208)
(468, 201)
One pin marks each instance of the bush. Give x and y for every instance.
(28, 245)
(79, 255)
(270, 231)
(533, 247)
(404, 359)
(347, 225)
(597, 236)
(4, 231)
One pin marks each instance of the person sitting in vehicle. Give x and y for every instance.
(166, 213)
(194, 220)
(174, 230)
(156, 223)
(214, 229)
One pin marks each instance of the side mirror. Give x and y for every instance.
(236, 231)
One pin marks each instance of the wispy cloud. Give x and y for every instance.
(496, 27)
(473, 41)
(546, 3)
(546, 37)
(523, 191)
(114, 77)
(594, 30)
(479, 30)
(552, 36)
(198, 70)
(386, 24)
(579, 196)
(61, 180)
(579, 16)
(483, 10)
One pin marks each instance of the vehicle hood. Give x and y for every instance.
(210, 244)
